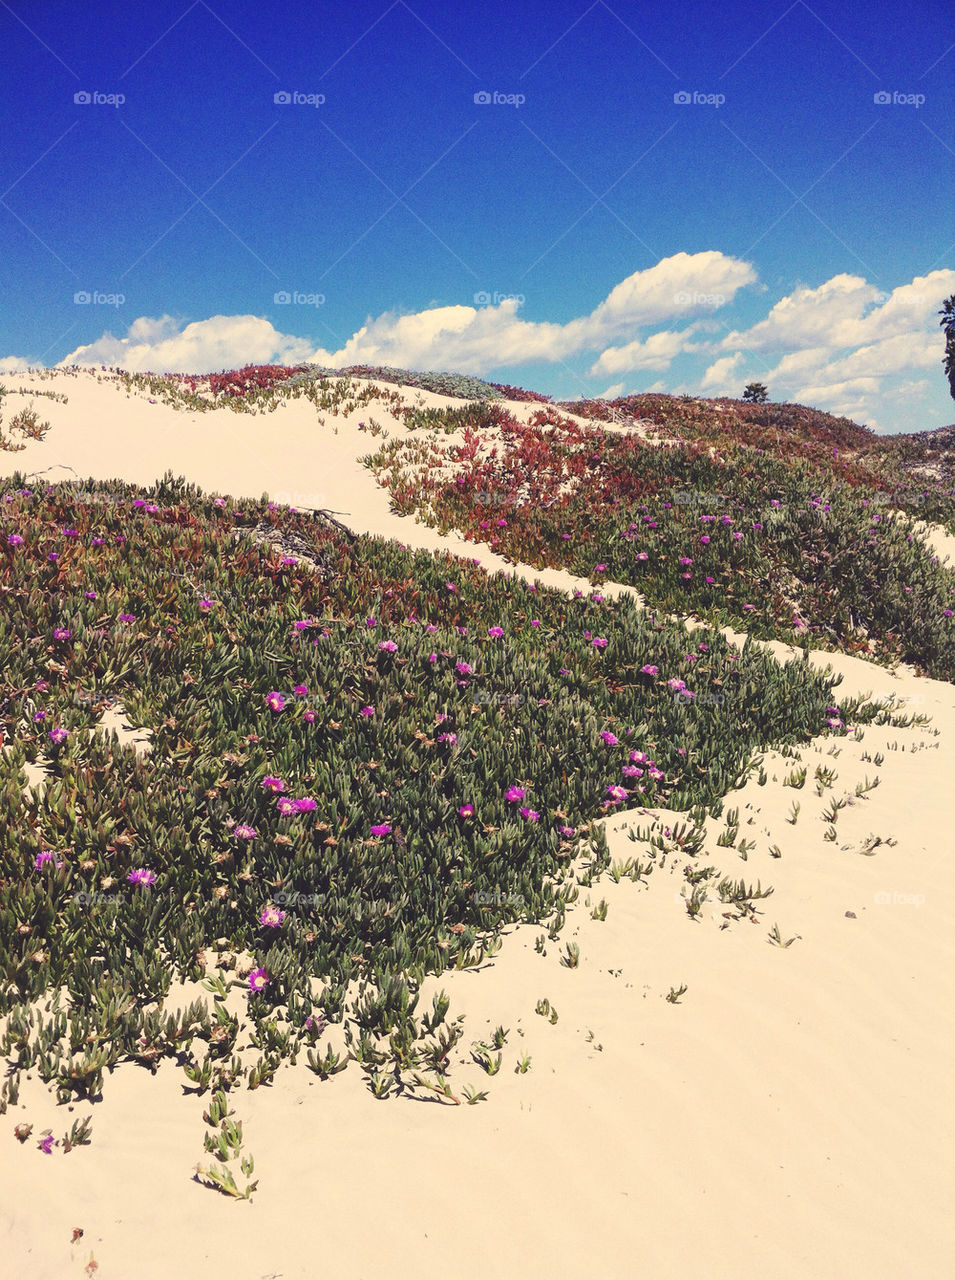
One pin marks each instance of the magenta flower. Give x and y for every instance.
(61, 633)
(47, 1144)
(275, 702)
(388, 646)
(53, 556)
(466, 811)
(285, 806)
(58, 736)
(451, 586)
(258, 980)
(288, 560)
(272, 784)
(302, 624)
(42, 686)
(642, 555)
(40, 715)
(205, 605)
(599, 642)
(143, 876)
(617, 793)
(305, 805)
(530, 814)
(611, 739)
(367, 711)
(432, 657)
(685, 560)
(219, 502)
(450, 738)
(309, 717)
(514, 793)
(300, 690)
(371, 622)
(496, 632)
(45, 856)
(631, 771)
(463, 668)
(383, 829)
(656, 774)
(535, 622)
(568, 832)
(271, 916)
(947, 612)
(14, 539)
(704, 538)
(244, 832)
(98, 542)
(650, 670)
(89, 595)
(638, 757)
(127, 617)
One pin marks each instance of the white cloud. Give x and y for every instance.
(655, 352)
(722, 377)
(463, 338)
(13, 364)
(221, 342)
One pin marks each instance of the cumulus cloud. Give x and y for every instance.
(13, 364)
(722, 377)
(655, 352)
(221, 342)
(465, 338)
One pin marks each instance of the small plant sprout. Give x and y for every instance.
(694, 903)
(776, 938)
(499, 1039)
(523, 1064)
(473, 1096)
(674, 994)
(793, 813)
(482, 1055)
(600, 910)
(545, 1009)
(591, 1040)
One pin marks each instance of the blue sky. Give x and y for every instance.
(679, 197)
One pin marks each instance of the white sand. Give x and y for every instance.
(790, 1118)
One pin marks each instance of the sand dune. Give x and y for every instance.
(790, 1116)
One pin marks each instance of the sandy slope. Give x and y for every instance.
(791, 1117)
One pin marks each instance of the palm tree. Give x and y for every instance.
(948, 324)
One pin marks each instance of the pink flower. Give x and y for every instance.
(271, 916)
(61, 633)
(14, 540)
(617, 793)
(383, 829)
(530, 814)
(272, 784)
(567, 832)
(599, 642)
(650, 670)
(432, 657)
(463, 668)
(300, 690)
(448, 737)
(704, 538)
(535, 622)
(275, 702)
(45, 856)
(127, 617)
(285, 806)
(58, 736)
(642, 555)
(305, 805)
(244, 832)
(466, 811)
(205, 605)
(513, 794)
(258, 980)
(143, 876)
(371, 622)
(388, 646)
(451, 586)
(309, 717)
(600, 568)
(611, 739)
(496, 632)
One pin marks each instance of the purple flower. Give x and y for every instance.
(530, 814)
(61, 633)
(285, 806)
(599, 642)
(600, 568)
(275, 701)
(383, 829)
(205, 605)
(466, 811)
(514, 793)
(14, 539)
(47, 1145)
(40, 715)
(143, 876)
(58, 737)
(535, 622)
(272, 784)
(451, 586)
(432, 657)
(495, 632)
(300, 690)
(258, 980)
(367, 711)
(567, 832)
(271, 917)
(305, 805)
(371, 622)
(89, 595)
(617, 793)
(650, 670)
(45, 856)
(463, 668)
(244, 832)
(448, 737)
(611, 739)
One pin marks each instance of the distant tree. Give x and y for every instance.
(756, 392)
(948, 324)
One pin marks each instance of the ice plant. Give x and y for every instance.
(258, 980)
(466, 810)
(45, 856)
(514, 794)
(275, 702)
(271, 916)
(244, 832)
(382, 829)
(272, 784)
(142, 876)
(388, 646)
(58, 736)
